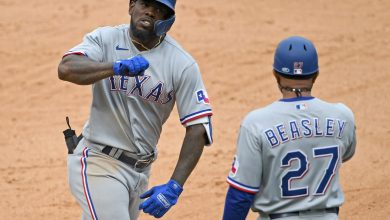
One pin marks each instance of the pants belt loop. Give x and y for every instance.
(112, 151)
(118, 153)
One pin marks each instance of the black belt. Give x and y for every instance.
(289, 214)
(134, 162)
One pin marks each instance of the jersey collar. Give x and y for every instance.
(303, 98)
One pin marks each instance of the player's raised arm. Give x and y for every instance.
(82, 70)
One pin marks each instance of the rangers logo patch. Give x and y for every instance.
(202, 97)
(298, 68)
(235, 166)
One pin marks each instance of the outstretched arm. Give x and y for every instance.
(192, 148)
(81, 70)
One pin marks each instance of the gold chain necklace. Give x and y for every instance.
(146, 48)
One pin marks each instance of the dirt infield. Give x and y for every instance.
(233, 42)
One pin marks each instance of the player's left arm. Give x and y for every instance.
(194, 110)
(350, 133)
(191, 150)
(161, 198)
(351, 148)
(237, 204)
(245, 175)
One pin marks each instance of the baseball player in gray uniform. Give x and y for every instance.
(137, 73)
(289, 153)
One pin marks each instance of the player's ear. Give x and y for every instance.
(131, 6)
(277, 77)
(315, 77)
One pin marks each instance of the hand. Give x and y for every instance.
(134, 66)
(161, 198)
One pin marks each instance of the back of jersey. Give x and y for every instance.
(290, 152)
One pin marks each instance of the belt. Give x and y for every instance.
(121, 156)
(289, 214)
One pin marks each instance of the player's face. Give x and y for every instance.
(144, 13)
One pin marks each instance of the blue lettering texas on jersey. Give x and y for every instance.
(135, 86)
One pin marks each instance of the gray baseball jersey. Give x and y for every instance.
(128, 112)
(289, 154)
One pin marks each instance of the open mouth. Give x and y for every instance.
(146, 22)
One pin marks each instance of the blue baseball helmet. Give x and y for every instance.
(296, 58)
(162, 26)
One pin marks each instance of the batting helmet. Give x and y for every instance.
(162, 26)
(296, 58)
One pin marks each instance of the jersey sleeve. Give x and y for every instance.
(92, 46)
(245, 174)
(349, 132)
(191, 96)
(350, 149)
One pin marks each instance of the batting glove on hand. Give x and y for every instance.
(161, 198)
(134, 66)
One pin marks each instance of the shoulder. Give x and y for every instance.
(178, 53)
(110, 31)
(341, 109)
(345, 111)
(258, 117)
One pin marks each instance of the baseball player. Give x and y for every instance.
(137, 73)
(289, 153)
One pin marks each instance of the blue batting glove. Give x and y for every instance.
(134, 66)
(161, 198)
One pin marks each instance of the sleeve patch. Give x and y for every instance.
(202, 97)
(235, 166)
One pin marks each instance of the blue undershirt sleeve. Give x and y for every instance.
(237, 204)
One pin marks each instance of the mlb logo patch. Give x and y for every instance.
(301, 106)
(202, 97)
(298, 68)
(235, 166)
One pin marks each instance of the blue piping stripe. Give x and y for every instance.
(211, 129)
(187, 116)
(297, 99)
(86, 183)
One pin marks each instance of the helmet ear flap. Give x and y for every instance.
(162, 26)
